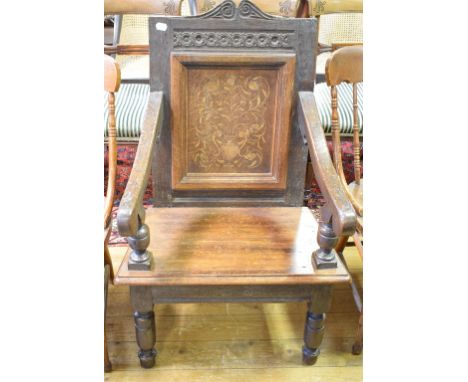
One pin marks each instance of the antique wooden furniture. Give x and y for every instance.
(131, 51)
(340, 24)
(285, 8)
(230, 119)
(111, 85)
(345, 65)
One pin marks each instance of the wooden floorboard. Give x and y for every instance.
(235, 342)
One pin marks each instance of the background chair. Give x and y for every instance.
(229, 153)
(131, 51)
(345, 66)
(111, 85)
(340, 25)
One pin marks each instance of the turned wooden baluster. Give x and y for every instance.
(336, 141)
(140, 258)
(356, 142)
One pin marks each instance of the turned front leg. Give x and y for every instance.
(145, 326)
(314, 326)
(146, 337)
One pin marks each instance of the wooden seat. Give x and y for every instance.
(203, 246)
(230, 109)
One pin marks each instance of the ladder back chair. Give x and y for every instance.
(131, 51)
(345, 65)
(111, 86)
(230, 119)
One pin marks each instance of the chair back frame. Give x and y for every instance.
(235, 37)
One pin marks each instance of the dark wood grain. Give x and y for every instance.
(230, 33)
(344, 218)
(130, 206)
(228, 132)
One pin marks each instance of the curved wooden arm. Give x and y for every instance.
(131, 212)
(337, 208)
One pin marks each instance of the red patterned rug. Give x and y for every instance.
(313, 198)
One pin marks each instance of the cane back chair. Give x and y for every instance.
(345, 65)
(230, 119)
(111, 85)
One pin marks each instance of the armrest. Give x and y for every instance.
(131, 211)
(338, 208)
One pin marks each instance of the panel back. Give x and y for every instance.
(230, 79)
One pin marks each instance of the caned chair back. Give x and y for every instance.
(111, 85)
(345, 65)
(132, 32)
(340, 21)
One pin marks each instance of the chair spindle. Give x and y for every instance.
(112, 142)
(356, 143)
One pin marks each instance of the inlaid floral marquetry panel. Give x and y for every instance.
(230, 120)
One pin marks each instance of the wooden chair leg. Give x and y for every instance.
(357, 346)
(107, 363)
(314, 326)
(146, 338)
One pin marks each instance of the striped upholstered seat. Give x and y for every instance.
(130, 105)
(345, 109)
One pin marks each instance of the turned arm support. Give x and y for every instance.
(131, 212)
(337, 210)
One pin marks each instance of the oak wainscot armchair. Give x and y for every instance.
(230, 119)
